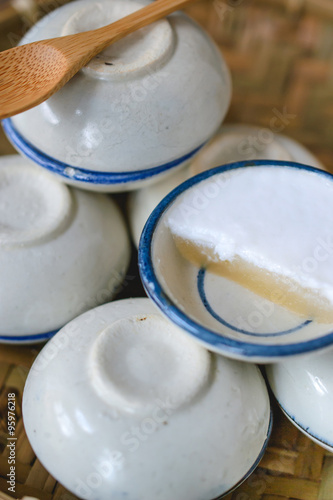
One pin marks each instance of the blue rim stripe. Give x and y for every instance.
(203, 297)
(28, 338)
(165, 303)
(81, 174)
(306, 431)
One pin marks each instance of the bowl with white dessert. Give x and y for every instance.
(241, 257)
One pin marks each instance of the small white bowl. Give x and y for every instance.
(142, 202)
(221, 314)
(248, 142)
(62, 251)
(304, 390)
(137, 111)
(232, 143)
(121, 404)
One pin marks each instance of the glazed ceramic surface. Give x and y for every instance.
(62, 251)
(232, 143)
(121, 404)
(222, 314)
(143, 201)
(246, 142)
(138, 110)
(304, 390)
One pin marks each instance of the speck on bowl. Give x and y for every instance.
(61, 250)
(122, 404)
(304, 389)
(136, 112)
(222, 314)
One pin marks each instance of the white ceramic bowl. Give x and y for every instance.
(220, 313)
(142, 202)
(136, 112)
(231, 143)
(304, 390)
(121, 404)
(62, 251)
(248, 142)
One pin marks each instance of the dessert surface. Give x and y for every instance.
(268, 229)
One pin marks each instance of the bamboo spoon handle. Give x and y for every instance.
(140, 18)
(90, 43)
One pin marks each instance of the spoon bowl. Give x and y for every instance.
(30, 84)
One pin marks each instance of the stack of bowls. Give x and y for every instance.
(119, 123)
(114, 399)
(122, 402)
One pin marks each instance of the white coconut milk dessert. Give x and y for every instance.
(268, 228)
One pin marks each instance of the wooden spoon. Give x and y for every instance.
(31, 73)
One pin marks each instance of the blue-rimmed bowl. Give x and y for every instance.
(304, 390)
(130, 391)
(139, 110)
(220, 313)
(62, 250)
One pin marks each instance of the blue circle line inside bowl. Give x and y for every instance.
(28, 338)
(208, 307)
(176, 315)
(81, 174)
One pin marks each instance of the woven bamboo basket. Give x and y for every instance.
(280, 56)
